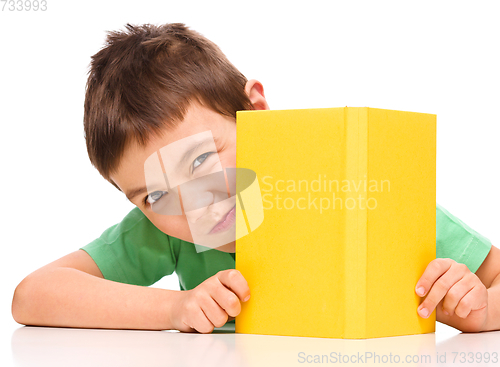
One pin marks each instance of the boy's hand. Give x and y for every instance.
(211, 303)
(459, 295)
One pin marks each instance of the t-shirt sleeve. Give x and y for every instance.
(457, 241)
(133, 251)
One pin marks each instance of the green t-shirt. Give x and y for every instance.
(134, 251)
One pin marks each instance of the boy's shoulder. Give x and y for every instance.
(134, 251)
(135, 223)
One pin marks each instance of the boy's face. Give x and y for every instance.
(139, 176)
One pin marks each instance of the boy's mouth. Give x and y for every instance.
(226, 222)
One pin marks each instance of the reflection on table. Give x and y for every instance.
(41, 346)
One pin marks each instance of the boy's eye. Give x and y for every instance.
(200, 159)
(155, 196)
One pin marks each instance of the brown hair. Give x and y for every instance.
(142, 82)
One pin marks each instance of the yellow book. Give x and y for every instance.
(349, 221)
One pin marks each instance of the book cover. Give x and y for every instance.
(349, 221)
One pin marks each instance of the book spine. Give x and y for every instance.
(356, 140)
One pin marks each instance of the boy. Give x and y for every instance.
(149, 88)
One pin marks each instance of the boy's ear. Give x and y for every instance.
(255, 91)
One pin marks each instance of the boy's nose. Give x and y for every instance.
(203, 191)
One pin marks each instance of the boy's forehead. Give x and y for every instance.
(173, 158)
(197, 119)
(199, 126)
(136, 156)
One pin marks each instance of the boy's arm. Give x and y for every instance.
(489, 274)
(71, 292)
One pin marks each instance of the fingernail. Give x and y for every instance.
(446, 313)
(420, 291)
(247, 298)
(424, 312)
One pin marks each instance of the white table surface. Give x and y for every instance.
(42, 346)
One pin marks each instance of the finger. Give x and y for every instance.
(233, 280)
(456, 293)
(215, 314)
(201, 322)
(434, 270)
(472, 301)
(440, 288)
(225, 298)
(187, 329)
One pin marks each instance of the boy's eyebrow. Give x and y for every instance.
(135, 192)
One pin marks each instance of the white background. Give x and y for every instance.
(437, 57)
